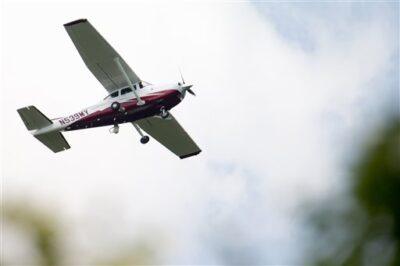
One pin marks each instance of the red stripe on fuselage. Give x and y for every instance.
(131, 111)
(131, 104)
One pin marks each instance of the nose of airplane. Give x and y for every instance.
(186, 87)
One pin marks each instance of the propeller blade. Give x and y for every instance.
(188, 89)
(183, 81)
(191, 92)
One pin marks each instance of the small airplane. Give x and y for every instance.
(130, 99)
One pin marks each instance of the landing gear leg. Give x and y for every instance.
(144, 139)
(164, 113)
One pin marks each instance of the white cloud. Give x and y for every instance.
(263, 116)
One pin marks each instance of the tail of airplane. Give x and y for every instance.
(34, 120)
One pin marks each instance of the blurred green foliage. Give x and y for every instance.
(40, 227)
(377, 184)
(362, 227)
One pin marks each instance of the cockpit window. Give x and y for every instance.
(125, 91)
(114, 94)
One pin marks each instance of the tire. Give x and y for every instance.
(164, 114)
(115, 106)
(144, 139)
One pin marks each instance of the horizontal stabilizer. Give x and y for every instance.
(55, 141)
(34, 119)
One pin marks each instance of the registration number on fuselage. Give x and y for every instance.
(73, 118)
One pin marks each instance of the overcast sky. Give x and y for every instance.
(286, 94)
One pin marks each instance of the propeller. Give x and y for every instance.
(180, 72)
(186, 87)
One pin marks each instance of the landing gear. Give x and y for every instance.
(144, 139)
(115, 106)
(164, 113)
(114, 129)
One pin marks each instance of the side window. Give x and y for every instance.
(125, 91)
(114, 94)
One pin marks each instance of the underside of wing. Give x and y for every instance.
(99, 56)
(170, 134)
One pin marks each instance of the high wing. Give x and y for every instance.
(99, 56)
(170, 134)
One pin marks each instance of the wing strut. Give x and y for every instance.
(139, 100)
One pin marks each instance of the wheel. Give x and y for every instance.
(115, 106)
(164, 113)
(144, 139)
(114, 129)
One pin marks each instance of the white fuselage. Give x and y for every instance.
(149, 94)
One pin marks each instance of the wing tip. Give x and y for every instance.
(190, 154)
(82, 20)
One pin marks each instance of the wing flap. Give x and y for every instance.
(171, 135)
